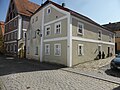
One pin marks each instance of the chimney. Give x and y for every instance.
(63, 4)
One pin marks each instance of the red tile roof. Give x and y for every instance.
(25, 7)
(2, 25)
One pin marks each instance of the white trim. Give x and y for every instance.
(55, 39)
(58, 23)
(12, 19)
(11, 31)
(24, 29)
(19, 27)
(90, 24)
(58, 49)
(60, 10)
(42, 32)
(91, 40)
(48, 49)
(47, 30)
(69, 42)
(11, 41)
(56, 20)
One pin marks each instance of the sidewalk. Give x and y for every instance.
(91, 69)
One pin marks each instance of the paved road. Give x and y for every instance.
(24, 75)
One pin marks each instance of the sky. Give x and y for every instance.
(101, 11)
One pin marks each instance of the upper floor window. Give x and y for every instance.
(36, 18)
(110, 38)
(33, 20)
(100, 35)
(15, 23)
(80, 28)
(80, 49)
(58, 28)
(47, 30)
(47, 49)
(57, 49)
(48, 10)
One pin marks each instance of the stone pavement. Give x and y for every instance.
(53, 80)
(28, 75)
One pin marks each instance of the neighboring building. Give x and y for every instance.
(59, 35)
(2, 26)
(115, 27)
(2, 37)
(16, 24)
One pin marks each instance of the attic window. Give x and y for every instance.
(48, 10)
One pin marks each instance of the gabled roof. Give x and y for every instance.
(113, 26)
(72, 13)
(25, 7)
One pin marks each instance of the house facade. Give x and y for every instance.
(16, 24)
(115, 27)
(59, 35)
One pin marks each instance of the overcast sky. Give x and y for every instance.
(101, 11)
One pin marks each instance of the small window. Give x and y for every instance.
(28, 50)
(58, 28)
(47, 30)
(15, 23)
(100, 35)
(110, 38)
(32, 20)
(80, 49)
(57, 49)
(47, 49)
(15, 48)
(36, 18)
(36, 51)
(48, 10)
(80, 28)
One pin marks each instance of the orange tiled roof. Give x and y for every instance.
(2, 26)
(25, 7)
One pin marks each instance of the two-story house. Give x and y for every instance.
(115, 27)
(16, 24)
(59, 35)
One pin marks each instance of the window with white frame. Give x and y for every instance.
(110, 38)
(100, 35)
(15, 23)
(48, 11)
(57, 49)
(28, 50)
(80, 28)
(58, 28)
(15, 48)
(99, 48)
(47, 49)
(36, 18)
(36, 51)
(47, 30)
(80, 49)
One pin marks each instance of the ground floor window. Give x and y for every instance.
(57, 49)
(28, 50)
(36, 51)
(15, 48)
(47, 49)
(80, 49)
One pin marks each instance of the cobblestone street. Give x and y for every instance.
(29, 75)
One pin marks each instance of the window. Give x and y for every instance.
(99, 48)
(110, 38)
(80, 49)
(32, 20)
(100, 35)
(12, 36)
(15, 23)
(47, 30)
(57, 49)
(36, 18)
(58, 28)
(36, 51)
(15, 48)
(80, 28)
(48, 11)
(28, 50)
(15, 35)
(47, 49)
